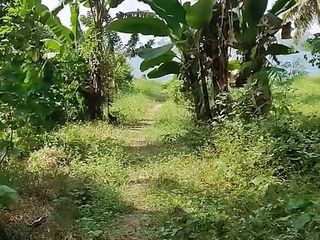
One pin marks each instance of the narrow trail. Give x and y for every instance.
(130, 226)
(139, 130)
(135, 138)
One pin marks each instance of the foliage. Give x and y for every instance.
(158, 174)
(123, 77)
(303, 13)
(174, 89)
(203, 33)
(313, 45)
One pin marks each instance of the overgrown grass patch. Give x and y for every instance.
(131, 108)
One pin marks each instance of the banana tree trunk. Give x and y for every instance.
(206, 111)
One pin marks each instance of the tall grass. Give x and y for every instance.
(132, 107)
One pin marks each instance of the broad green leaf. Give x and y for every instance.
(44, 17)
(171, 11)
(144, 25)
(150, 63)
(281, 6)
(233, 65)
(301, 221)
(253, 11)
(74, 9)
(168, 9)
(200, 13)
(52, 44)
(279, 49)
(63, 33)
(40, 8)
(147, 53)
(165, 69)
(115, 3)
(31, 3)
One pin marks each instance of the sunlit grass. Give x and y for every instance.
(306, 97)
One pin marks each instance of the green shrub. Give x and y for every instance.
(173, 120)
(174, 89)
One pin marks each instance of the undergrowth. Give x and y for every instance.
(171, 178)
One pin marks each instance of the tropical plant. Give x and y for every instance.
(304, 13)
(100, 50)
(26, 82)
(203, 33)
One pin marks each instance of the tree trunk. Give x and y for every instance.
(197, 97)
(206, 114)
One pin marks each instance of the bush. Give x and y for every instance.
(173, 120)
(174, 90)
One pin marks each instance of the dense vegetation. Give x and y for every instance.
(228, 149)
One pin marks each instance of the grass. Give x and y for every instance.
(131, 107)
(160, 176)
(306, 96)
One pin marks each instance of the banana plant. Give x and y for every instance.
(99, 90)
(184, 25)
(254, 31)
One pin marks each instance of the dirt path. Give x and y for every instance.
(141, 147)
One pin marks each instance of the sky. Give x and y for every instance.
(132, 5)
(126, 6)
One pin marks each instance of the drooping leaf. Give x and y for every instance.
(144, 25)
(279, 49)
(76, 29)
(115, 3)
(40, 8)
(63, 33)
(253, 11)
(200, 13)
(171, 11)
(147, 53)
(168, 9)
(150, 63)
(52, 44)
(281, 6)
(31, 3)
(165, 69)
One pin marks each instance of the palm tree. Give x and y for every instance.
(303, 14)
